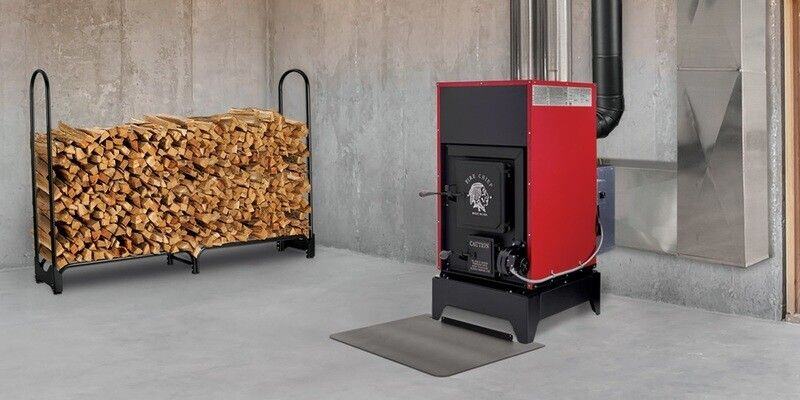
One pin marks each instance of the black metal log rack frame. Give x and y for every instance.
(52, 276)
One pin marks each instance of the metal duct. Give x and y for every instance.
(646, 205)
(529, 39)
(607, 63)
(559, 44)
(541, 39)
(516, 36)
(722, 131)
(538, 34)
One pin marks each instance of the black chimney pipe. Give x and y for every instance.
(607, 63)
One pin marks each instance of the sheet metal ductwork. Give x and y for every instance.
(607, 63)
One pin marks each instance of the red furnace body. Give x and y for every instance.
(517, 202)
(492, 138)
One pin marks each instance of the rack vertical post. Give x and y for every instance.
(51, 276)
(302, 243)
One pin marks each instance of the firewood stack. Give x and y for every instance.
(170, 184)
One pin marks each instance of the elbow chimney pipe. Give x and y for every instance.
(607, 63)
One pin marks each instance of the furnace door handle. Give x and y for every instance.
(451, 195)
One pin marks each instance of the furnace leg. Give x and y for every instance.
(594, 297)
(437, 306)
(525, 323)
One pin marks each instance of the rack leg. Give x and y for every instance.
(195, 270)
(38, 271)
(306, 244)
(58, 283)
(191, 261)
(311, 249)
(52, 277)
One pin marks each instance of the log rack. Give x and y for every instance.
(52, 276)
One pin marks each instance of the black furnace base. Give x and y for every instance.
(522, 310)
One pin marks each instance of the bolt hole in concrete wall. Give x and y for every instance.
(373, 66)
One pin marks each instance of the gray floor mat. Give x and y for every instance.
(432, 347)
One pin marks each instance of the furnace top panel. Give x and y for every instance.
(484, 115)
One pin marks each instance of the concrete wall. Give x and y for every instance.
(110, 61)
(374, 65)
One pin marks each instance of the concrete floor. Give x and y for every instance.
(255, 324)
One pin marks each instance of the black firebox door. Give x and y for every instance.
(483, 187)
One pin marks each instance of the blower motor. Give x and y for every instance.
(512, 259)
